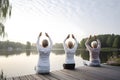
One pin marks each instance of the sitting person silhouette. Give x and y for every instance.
(44, 49)
(94, 51)
(70, 50)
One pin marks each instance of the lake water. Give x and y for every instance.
(23, 63)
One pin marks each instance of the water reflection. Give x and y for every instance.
(23, 62)
(104, 55)
(15, 52)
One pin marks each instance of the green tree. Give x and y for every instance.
(5, 11)
(116, 43)
(110, 40)
(28, 45)
(82, 43)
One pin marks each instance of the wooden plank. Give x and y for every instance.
(82, 75)
(43, 76)
(57, 76)
(9, 78)
(23, 78)
(16, 78)
(98, 73)
(51, 77)
(117, 68)
(77, 75)
(66, 77)
(105, 70)
(30, 77)
(36, 77)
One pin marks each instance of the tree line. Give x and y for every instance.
(107, 41)
(6, 45)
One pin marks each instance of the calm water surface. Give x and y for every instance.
(15, 64)
(23, 63)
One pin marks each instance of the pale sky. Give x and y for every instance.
(61, 17)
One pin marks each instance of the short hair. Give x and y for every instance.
(45, 43)
(70, 44)
(94, 44)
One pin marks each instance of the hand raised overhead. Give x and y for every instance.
(95, 37)
(68, 36)
(73, 36)
(40, 34)
(90, 37)
(46, 34)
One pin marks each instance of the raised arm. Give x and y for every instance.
(51, 43)
(87, 43)
(38, 45)
(64, 45)
(76, 43)
(99, 43)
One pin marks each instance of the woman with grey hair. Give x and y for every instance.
(70, 50)
(94, 51)
(44, 50)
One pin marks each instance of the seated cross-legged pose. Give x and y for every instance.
(94, 51)
(44, 50)
(70, 50)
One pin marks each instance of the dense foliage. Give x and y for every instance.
(107, 40)
(5, 12)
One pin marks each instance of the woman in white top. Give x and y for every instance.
(94, 51)
(70, 50)
(44, 49)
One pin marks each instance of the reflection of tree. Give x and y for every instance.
(62, 52)
(104, 55)
(58, 52)
(84, 54)
(17, 52)
(5, 11)
(9, 53)
(31, 52)
(28, 45)
(77, 53)
(28, 52)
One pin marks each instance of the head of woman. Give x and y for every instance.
(94, 44)
(70, 44)
(45, 43)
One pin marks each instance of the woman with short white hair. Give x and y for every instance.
(94, 51)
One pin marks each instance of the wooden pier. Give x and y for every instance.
(81, 73)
